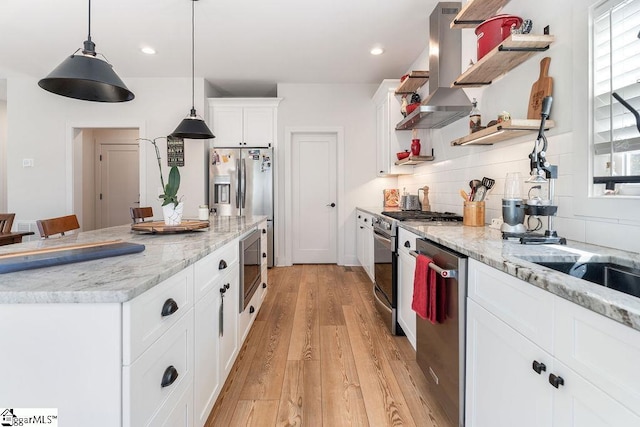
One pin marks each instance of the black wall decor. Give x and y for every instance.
(175, 151)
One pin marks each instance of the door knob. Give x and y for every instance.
(333, 205)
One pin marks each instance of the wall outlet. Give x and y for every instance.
(27, 163)
(496, 223)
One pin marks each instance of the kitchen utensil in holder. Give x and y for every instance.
(473, 214)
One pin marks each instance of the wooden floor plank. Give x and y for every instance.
(383, 398)
(264, 380)
(418, 395)
(255, 413)
(305, 336)
(345, 368)
(300, 402)
(341, 395)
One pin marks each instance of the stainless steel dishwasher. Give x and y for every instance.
(440, 347)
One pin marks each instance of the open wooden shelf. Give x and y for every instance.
(512, 52)
(502, 131)
(414, 160)
(412, 83)
(474, 12)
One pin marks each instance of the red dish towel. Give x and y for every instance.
(429, 292)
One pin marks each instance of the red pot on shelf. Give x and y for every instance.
(493, 31)
(415, 147)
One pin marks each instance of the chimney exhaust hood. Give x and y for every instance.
(444, 104)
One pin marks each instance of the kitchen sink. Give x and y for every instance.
(614, 276)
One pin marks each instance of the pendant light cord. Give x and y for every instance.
(89, 35)
(193, 54)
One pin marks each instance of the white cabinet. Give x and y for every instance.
(216, 319)
(540, 360)
(207, 383)
(388, 141)
(364, 241)
(229, 293)
(406, 270)
(244, 122)
(248, 316)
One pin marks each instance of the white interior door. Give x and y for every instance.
(314, 210)
(118, 184)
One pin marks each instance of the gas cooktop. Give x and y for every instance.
(425, 216)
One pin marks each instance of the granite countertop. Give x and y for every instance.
(121, 278)
(487, 246)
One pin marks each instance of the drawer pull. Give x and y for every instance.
(264, 286)
(538, 367)
(407, 244)
(264, 254)
(169, 307)
(169, 377)
(252, 309)
(264, 231)
(222, 265)
(555, 380)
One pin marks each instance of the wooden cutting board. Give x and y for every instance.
(160, 227)
(541, 88)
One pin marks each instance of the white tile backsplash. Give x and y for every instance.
(445, 179)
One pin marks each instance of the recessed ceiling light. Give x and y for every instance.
(377, 51)
(148, 50)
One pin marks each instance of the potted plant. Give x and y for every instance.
(172, 207)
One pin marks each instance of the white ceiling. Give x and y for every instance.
(243, 47)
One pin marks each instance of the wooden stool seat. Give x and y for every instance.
(6, 222)
(59, 225)
(140, 214)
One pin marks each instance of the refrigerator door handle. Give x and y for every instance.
(244, 182)
(238, 183)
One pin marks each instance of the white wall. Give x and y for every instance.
(40, 127)
(608, 222)
(350, 107)
(3, 154)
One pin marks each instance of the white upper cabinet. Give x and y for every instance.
(388, 141)
(244, 122)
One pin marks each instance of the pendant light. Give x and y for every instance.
(192, 126)
(87, 77)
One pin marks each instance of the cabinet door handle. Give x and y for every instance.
(169, 377)
(227, 286)
(264, 231)
(264, 254)
(556, 381)
(538, 367)
(252, 309)
(223, 290)
(407, 244)
(169, 307)
(222, 265)
(264, 286)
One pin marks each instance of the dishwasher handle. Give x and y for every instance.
(447, 274)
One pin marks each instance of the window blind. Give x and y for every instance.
(616, 68)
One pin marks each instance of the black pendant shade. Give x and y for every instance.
(87, 78)
(84, 76)
(192, 126)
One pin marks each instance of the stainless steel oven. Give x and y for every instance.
(385, 286)
(440, 347)
(250, 267)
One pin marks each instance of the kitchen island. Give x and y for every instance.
(129, 340)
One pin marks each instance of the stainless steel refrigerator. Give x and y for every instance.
(241, 184)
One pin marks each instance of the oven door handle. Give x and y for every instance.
(447, 274)
(375, 295)
(384, 239)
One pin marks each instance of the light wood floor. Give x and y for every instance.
(318, 354)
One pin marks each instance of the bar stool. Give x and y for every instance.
(6, 221)
(140, 214)
(59, 225)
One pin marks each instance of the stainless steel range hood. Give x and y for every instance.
(445, 104)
